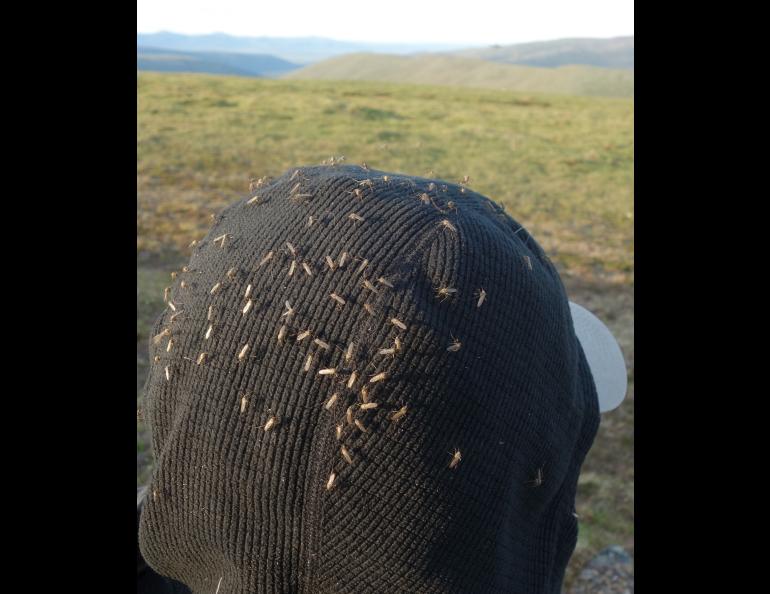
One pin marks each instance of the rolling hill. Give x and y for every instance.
(617, 52)
(438, 69)
(165, 60)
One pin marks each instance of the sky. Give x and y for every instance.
(473, 22)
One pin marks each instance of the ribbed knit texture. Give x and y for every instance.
(488, 365)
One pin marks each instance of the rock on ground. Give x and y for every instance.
(610, 572)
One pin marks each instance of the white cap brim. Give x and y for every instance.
(604, 357)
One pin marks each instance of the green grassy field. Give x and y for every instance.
(459, 71)
(562, 166)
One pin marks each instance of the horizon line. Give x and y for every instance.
(461, 43)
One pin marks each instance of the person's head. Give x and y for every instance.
(366, 382)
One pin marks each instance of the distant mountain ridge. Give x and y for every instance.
(442, 69)
(300, 50)
(166, 60)
(601, 67)
(617, 52)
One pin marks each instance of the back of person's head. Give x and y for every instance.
(366, 382)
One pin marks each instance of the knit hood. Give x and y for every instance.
(365, 382)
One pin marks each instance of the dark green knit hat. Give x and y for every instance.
(366, 382)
